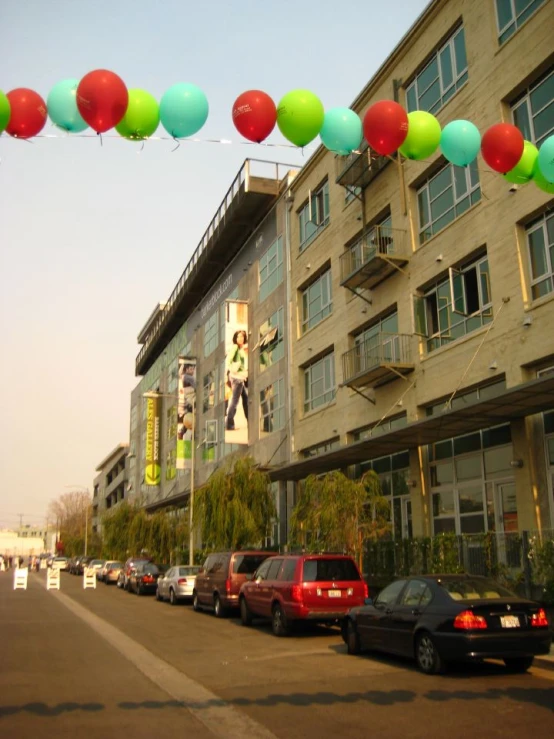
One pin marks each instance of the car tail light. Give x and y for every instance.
(296, 593)
(539, 618)
(228, 585)
(182, 581)
(468, 620)
(148, 578)
(366, 591)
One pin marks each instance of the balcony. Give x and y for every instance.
(381, 252)
(377, 359)
(359, 168)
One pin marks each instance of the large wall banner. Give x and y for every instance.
(236, 372)
(152, 473)
(186, 391)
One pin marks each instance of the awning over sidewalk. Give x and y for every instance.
(517, 402)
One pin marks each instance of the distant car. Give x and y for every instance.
(110, 571)
(177, 583)
(60, 563)
(144, 578)
(320, 588)
(96, 564)
(126, 571)
(438, 619)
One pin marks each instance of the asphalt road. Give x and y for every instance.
(101, 663)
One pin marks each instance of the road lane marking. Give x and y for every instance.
(220, 718)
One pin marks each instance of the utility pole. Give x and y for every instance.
(20, 520)
(86, 530)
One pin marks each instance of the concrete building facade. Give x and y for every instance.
(110, 484)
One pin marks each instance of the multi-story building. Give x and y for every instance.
(423, 293)
(110, 484)
(236, 278)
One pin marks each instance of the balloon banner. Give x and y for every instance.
(62, 107)
(546, 159)
(5, 111)
(102, 99)
(502, 147)
(385, 126)
(523, 171)
(460, 142)
(540, 180)
(141, 118)
(341, 131)
(424, 135)
(254, 115)
(183, 110)
(300, 116)
(27, 113)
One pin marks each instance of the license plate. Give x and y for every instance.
(509, 622)
(335, 593)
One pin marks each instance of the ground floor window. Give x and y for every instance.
(394, 471)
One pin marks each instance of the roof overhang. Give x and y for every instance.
(516, 402)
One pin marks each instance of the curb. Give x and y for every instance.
(545, 663)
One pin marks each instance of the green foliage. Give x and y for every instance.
(115, 531)
(542, 561)
(335, 513)
(235, 508)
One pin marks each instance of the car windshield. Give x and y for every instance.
(188, 571)
(473, 588)
(319, 570)
(247, 564)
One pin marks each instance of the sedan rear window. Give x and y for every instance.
(150, 569)
(192, 570)
(469, 588)
(323, 570)
(247, 564)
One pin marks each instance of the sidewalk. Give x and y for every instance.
(546, 660)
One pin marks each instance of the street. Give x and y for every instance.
(99, 663)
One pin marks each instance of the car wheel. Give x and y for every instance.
(158, 596)
(219, 610)
(353, 645)
(428, 659)
(518, 664)
(279, 623)
(195, 602)
(245, 613)
(172, 597)
(140, 590)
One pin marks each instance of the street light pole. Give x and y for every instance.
(86, 530)
(191, 500)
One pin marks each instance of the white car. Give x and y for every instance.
(177, 583)
(60, 563)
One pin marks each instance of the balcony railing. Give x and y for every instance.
(377, 359)
(381, 252)
(359, 168)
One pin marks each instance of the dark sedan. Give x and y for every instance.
(144, 578)
(450, 618)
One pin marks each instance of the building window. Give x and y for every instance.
(272, 407)
(393, 471)
(321, 448)
(511, 14)
(271, 341)
(467, 397)
(455, 306)
(540, 245)
(317, 301)
(208, 386)
(223, 313)
(314, 216)
(445, 196)
(271, 268)
(390, 424)
(209, 450)
(133, 419)
(210, 334)
(319, 383)
(533, 112)
(351, 193)
(445, 73)
(380, 340)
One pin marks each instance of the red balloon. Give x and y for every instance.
(102, 99)
(502, 147)
(385, 126)
(28, 113)
(254, 115)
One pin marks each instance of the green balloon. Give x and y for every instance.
(300, 116)
(424, 135)
(141, 118)
(523, 171)
(5, 111)
(540, 180)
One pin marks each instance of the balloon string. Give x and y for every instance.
(178, 144)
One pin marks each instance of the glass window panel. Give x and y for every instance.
(468, 443)
(428, 76)
(497, 436)
(441, 204)
(522, 121)
(440, 182)
(549, 423)
(444, 526)
(431, 97)
(400, 460)
(443, 449)
(537, 252)
(542, 94)
(382, 465)
(468, 468)
(443, 503)
(423, 207)
(411, 98)
(446, 68)
(504, 12)
(460, 54)
(474, 524)
(471, 499)
(543, 123)
(551, 451)
(441, 474)
(497, 462)
(443, 221)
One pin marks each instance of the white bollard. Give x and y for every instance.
(89, 578)
(53, 578)
(20, 579)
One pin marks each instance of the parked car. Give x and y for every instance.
(177, 583)
(218, 582)
(60, 563)
(96, 564)
(110, 571)
(81, 563)
(123, 579)
(71, 564)
(314, 587)
(143, 578)
(438, 619)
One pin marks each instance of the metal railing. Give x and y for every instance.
(376, 351)
(360, 167)
(379, 241)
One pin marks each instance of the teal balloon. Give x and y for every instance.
(341, 131)
(62, 107)
(546, 159)
(460, 142)
(183, 110)
(5, 111)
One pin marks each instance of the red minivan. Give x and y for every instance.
(292, 587)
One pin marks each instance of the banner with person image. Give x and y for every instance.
(186, 408)
(236, 372)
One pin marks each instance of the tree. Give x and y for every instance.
(235, 508)
(335, 513)
(72, 513)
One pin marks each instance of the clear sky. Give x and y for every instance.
(92, 237)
